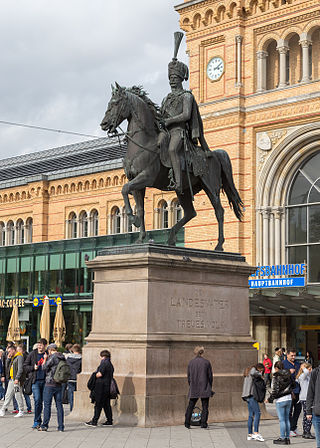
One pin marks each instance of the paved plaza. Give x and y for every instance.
(17, 433)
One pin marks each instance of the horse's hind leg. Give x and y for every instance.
(214, 197)
(139, 218)
(188, 213)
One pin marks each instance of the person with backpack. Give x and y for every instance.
(100, 393)
(74, 360)
(282, 386)
(249, 394)
(57, 372)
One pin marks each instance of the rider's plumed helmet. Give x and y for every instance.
(178, 68)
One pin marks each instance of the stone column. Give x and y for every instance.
(277, 234)
(261, 335)
(283, 66)
(261, 71)
(271, 239)
(239, 60)
(265, 248)
(305, 59)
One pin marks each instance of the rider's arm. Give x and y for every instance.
(186, 113)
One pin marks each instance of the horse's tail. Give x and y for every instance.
(228, 185)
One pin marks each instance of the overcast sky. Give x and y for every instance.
(58, 59)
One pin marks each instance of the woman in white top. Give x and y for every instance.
(282, 386)
(303, 378)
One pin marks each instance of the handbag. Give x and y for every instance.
(196, 417)
(114, 391)
(27, 387)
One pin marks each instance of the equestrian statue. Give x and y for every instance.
(167, 150)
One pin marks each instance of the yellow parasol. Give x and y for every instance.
(13, 334)
(45, 320)
(59, 326)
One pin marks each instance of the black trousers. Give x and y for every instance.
(204, 414)
(105, 405)
(295, 412)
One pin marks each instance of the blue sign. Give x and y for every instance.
(39, 301)
(289, 282)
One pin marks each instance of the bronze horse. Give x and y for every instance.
(143, 166)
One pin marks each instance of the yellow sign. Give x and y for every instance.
(9, 303)
(309, 327)
(256, 345)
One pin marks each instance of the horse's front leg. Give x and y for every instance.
(125, 194)
(139, 199)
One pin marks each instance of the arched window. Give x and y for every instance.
(303, 218)
(86, 185)
(177, 211)
(163, 215)
(272, 66)
(10, 233)
(2, 234)
(83, 224)
(29, 225)
(20, 231)
(72, 224)
(115, 220)
(294, 60)
(94, 217)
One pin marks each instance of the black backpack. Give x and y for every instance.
(259, 389)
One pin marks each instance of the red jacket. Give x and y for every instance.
(267, 365)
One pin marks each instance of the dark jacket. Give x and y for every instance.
(102, 386)
(50, 367)
(247, 389)
(5, 365)
(16, 364)
(296, 365)
(313, 395)
(74, 361)
(283, 384)
(29, 363)
(200, 378)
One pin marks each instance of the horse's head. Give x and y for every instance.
(117, 111)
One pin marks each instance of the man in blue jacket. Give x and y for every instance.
(291, 364)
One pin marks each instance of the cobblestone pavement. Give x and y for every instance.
(17, 433)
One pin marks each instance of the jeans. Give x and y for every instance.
(254, 414)
(48, 394)
(295, 412)
(267, 379)
(27, 400)
(316, 425)
(204, 413)
(283, 410)
(37, 391)
(72, 386)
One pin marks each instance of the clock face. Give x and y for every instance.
(215, 68)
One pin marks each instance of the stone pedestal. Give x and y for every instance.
(152, 306)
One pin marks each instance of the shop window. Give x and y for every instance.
(70, 281)
(83, 223)
(55, 282)
(25, 288)
(115, 220)
(40, 282)
(94, 216)
(11, 286)
(303, 218)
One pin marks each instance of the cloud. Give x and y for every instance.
(59, 58)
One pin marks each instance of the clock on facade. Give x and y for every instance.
(215, 68)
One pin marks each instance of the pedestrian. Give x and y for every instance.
(52, 389)
(293, 365)
(253, 406)
(303, 378)
(313, 402)
(33, 367)
(276, 357)
(2, 391)
(5, 362)
(200, 380)
(16, 379)
(75, 361)
(309, 358)
(282, 386)
(267, 369)
(101, 391)
(21, 348)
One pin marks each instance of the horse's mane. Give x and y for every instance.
(141, 93)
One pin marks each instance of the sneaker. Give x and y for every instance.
(29, 412)
(15, 411)
(42, 428)
(249, 437)
(91, 423)
(2, 413)
(257, 437)
(297, 432)
(308, 435)
(107, 423)
(35, 427)
(19, 414)
(280, 441)
(187, 425)
(293, 434)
